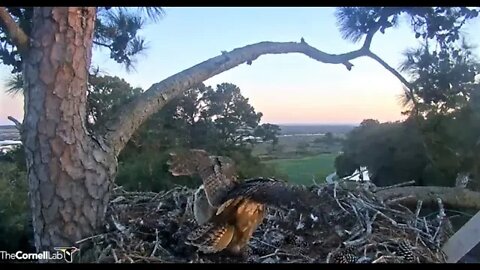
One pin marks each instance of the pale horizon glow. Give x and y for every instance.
(287, 89)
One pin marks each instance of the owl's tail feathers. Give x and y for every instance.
(211, 238)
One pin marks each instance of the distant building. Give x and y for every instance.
(8, 145)
(359, 175)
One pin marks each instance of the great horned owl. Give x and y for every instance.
(230, 211)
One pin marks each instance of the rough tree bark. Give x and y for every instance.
(69, 173)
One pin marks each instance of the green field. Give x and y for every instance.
(303, 170)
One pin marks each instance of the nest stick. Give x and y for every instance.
(335, 185)
(441, 216)
(408, 183)
(90, 238)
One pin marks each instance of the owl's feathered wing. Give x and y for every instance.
(211, 238)
(274, 193)
(217, 173)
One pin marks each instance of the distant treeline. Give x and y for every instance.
(311, 129)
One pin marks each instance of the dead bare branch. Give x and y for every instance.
(17, 123)
(120, 129)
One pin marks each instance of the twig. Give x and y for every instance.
(89, 238)
(146, 258)
(118, 226)
(419, 207)
(382, 258)
(396, 200)
(409, 183)
(265, 243)
(115, 255)
(405, 208)
(130, 259)
(357, 242)
(277, 251)
(335, 185)
(118, 199)
(356, 214)
(426, 225)
(104, 252)
(17, 123)
(380, 213)
(354, 235)
(441, 216)
(369, 224)
(156, 243)
(459, 212)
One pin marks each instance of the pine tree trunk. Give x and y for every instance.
(69, 173)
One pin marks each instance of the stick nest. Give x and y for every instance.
(356, 227)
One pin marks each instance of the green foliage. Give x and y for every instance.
(392, 152)
(15, 229)
(355, 22)
(115, 29)
(9, 54)
(14, 84)
(441, 24)
(268, 132)
(148, 171)
(442, 143)
(106, 94)
(15, 156)
(202, 117)
(446, 87)
(345, 165)
(442, 80)
(233, 116)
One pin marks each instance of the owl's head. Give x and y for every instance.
(224, 165)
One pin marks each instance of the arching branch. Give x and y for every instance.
(11, 28)
(399, 76)
(121, 128)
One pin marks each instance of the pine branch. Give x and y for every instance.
(13, 30)
(121, 128)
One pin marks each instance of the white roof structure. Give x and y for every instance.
(359, 175)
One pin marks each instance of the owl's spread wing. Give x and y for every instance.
(211, 238)
(217, 172)
(273, 192)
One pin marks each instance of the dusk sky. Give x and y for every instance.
(288, 88)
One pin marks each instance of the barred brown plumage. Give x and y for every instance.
(230, 210)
